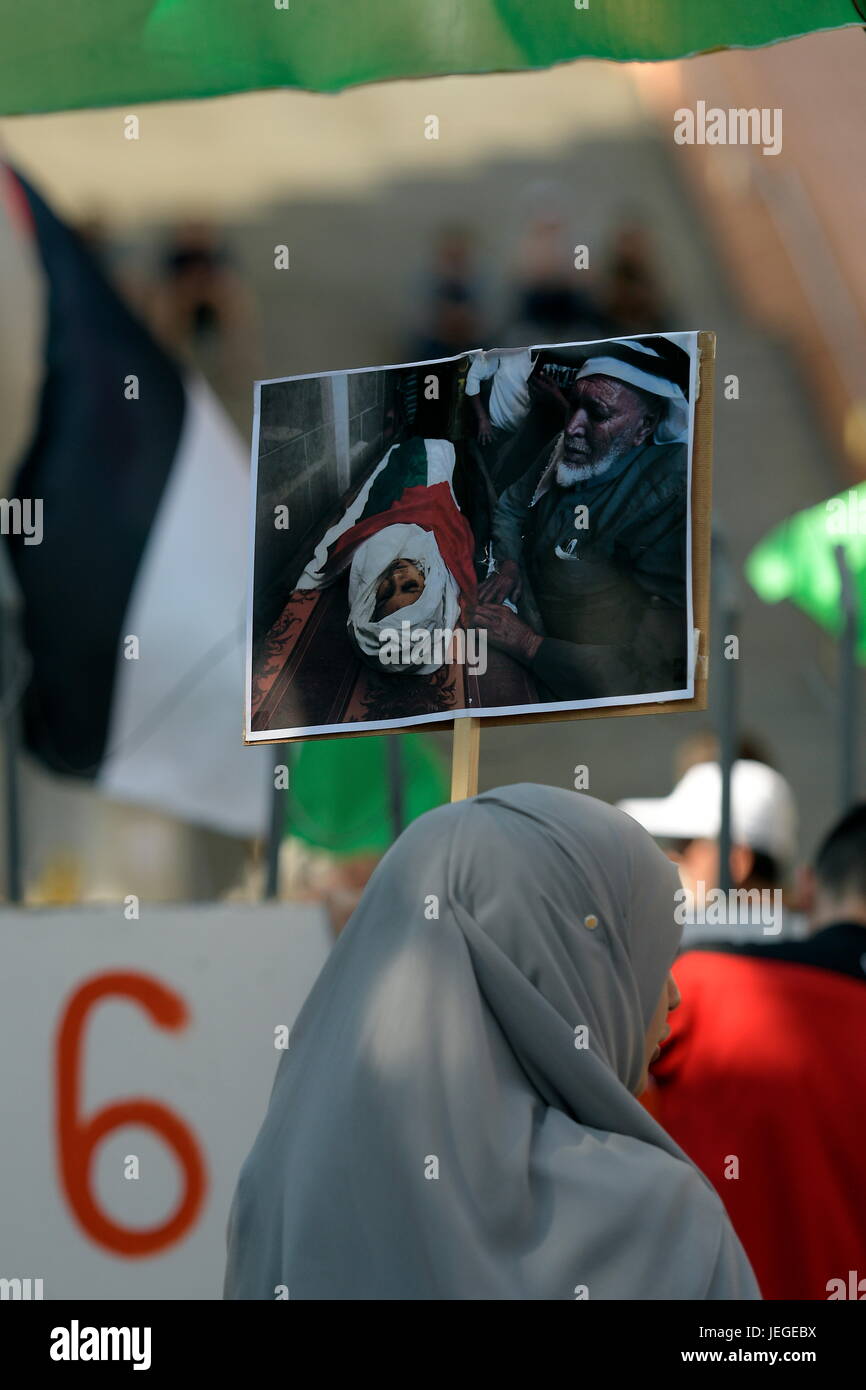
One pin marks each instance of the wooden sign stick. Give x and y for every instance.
(464, 758)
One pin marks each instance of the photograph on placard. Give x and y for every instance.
(498, 533)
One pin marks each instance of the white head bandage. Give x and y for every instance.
(437, 607)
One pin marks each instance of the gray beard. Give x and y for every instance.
(568, 474)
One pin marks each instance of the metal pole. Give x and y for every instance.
(727, 609)
(276, 831)
(395, 784)
(848, 746)
(12, 799)
(11, 672)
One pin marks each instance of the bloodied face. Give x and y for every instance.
(399, 585)
(606, 419)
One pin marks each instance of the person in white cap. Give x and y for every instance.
(763, 845)
(602, 606)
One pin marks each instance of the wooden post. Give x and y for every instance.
(464, 758)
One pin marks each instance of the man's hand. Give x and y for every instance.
(541, 388)
(485, 428)
(507, 632)
(507, 583)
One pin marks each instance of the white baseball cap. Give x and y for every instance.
(763, 811)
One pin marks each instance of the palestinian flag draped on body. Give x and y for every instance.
(406, 510)
(133, 599)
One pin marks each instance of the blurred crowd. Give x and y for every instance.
(545, 301)
(192, 287)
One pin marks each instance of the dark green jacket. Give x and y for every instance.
(629, 559)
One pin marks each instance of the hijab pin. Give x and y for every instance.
(590, 921)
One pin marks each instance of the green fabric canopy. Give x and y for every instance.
(796, 560)
(59, 54)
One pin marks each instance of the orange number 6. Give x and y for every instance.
(79, 1138)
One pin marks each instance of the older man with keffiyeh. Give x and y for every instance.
(592, 540)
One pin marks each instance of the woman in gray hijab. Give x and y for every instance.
(455, 1117)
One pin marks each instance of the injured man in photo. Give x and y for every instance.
(590, 583)
(409, 554)
(374, 626)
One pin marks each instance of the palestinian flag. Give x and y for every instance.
(133, 596)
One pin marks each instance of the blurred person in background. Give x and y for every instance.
(633, 295)
(687, 823)
(203, 311)
(761, 1081)
(347, 801)
(703, 747)
(457, 1114)
(554, 301)
(450, 298)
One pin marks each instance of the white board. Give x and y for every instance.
(238, 973)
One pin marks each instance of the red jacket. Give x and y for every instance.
(763, 1076)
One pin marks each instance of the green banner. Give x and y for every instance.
(340, 797)
(59, 54)
(797, 560)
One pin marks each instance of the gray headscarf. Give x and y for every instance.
(437, 1129)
